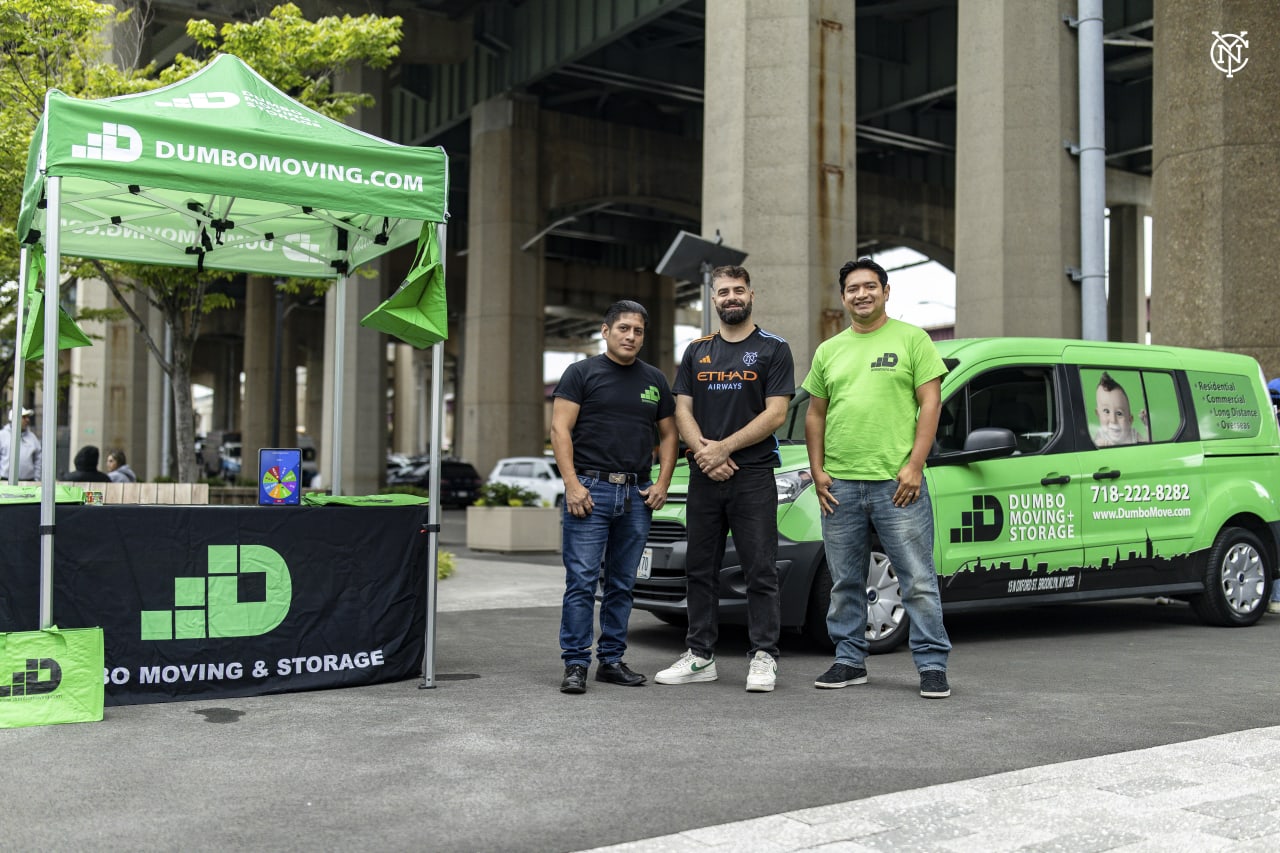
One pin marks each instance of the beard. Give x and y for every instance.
(735, 315)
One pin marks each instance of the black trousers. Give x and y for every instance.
(745, 505)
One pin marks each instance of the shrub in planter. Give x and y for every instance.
(501, 494)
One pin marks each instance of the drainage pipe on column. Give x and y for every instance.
(1093, 175)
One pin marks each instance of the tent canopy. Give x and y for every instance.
(222, 170)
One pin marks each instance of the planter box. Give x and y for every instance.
(513, 528)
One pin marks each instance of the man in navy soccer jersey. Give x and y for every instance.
(732, 392)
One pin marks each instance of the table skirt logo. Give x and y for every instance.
(247, 593)
(118, 143)
(29, 682)
(1227, 52)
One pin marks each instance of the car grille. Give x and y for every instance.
(666, 532)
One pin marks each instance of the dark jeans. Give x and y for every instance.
(611, 539)
(745, 505)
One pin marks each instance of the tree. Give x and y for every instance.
(300, 57)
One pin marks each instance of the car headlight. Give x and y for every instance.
(791, 484)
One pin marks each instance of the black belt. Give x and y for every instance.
(618, 478)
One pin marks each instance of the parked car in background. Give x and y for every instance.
(229, 464)
(459, 481)
(538, 474)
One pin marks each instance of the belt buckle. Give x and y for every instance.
(618, 479)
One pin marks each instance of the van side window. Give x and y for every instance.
(1019, 399)
(1128, 406)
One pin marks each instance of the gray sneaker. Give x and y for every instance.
(841, 675)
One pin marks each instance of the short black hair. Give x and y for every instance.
(624, 306)
(861, 264)
(732, 271)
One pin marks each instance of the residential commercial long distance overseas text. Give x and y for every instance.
(292, 166)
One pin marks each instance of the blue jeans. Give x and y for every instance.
(611, 537)
(906, 533)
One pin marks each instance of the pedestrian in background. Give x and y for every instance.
(118, 470)
(732, 391)
(876, 396)
(28, 449)
(603, 419)
(86, 470)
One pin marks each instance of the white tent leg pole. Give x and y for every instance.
(339, 372)
(49, 417)
(19, 370)
(433, 490)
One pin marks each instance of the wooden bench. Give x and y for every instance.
(144, 493)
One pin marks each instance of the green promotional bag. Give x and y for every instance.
(417, 312)
(70, 335)
(50, 677)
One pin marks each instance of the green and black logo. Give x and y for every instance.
(885, 362)
(28, 682)
(247, 593)
(650, 394)
(975, 526)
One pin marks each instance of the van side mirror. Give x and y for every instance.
(981, 444)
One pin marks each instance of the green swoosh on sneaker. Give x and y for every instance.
(697, 668)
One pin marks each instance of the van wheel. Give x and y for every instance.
(1237, 580)
(887, 622)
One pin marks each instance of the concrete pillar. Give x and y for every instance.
(1215, 180)
(779, 154)
(503, 340)
(259, 356)
(1017, 187)
(408, 370)
(91, 368)
(1127, 275)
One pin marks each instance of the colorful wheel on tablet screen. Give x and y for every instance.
(279, 484)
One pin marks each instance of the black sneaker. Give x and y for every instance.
(841, 675)
(933, 684)
(575, 679)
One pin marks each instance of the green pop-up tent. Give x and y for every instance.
(224, 171)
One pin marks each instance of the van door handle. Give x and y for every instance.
(1055, 481)
(1107, 475)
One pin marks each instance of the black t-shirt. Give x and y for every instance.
(619, 406)
(729, 383)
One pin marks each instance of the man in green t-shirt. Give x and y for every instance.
(876, 393)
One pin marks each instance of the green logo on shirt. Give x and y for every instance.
(650, 394)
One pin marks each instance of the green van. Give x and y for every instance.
(1063, 471)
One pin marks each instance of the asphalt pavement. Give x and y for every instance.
(1118, 726)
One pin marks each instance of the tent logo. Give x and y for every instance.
(27, 682)
(247, 593)
(203, 101)
(107, 145)
(303, 250)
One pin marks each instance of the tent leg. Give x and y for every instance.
(433, 492)
(339, 374)
(19, 371)
(49, 398)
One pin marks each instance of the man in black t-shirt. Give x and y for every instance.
(732, 391)
(603, 419)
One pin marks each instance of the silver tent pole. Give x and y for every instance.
(339, 372)
(49, 416)
(433, 488)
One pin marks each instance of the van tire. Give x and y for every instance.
(880, 574)
(1235, 565)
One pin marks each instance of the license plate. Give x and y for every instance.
(646, 565)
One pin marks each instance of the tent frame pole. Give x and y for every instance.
(339, 374)
(433, 488)
(49, 398)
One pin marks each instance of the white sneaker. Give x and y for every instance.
(763, 673)
(688, 669)
(1273, 606)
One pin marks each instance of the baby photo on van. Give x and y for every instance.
(1115, 424)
